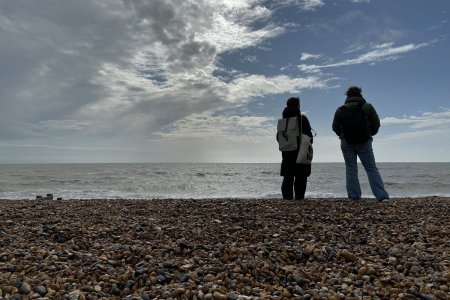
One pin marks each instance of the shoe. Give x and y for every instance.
(384, 200)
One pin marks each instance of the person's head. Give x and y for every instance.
(293, 102)
(353, 91)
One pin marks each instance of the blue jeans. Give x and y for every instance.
(365, 153)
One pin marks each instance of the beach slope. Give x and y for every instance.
(225, 249)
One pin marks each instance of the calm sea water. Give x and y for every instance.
(149, 181)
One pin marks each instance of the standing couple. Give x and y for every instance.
(356, 141)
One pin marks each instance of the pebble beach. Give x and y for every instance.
(225, 249)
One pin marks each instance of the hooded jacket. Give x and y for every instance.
(372, 117)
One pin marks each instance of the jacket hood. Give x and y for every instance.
(355, 99)
(291, 111)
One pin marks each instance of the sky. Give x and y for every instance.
(206, 80)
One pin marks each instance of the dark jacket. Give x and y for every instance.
(372, 117)
(289, 165)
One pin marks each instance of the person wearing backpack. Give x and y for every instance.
(295, 175)
(356, 122)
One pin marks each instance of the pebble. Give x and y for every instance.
(41, 290)
(25, 288)
(243, 249)
(347, 255)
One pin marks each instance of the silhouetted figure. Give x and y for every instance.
(355, 123)
(295, 175)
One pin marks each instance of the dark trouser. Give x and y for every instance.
(299, 185)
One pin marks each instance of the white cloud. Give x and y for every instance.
(252, 86)
(430, 120)
(306, 56)
(381, 52)
(65, 125)
(425, 137)
(208, 125)
(307, 5)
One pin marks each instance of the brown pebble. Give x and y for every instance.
(347, 255)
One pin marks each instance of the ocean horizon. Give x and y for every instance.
(208, 180)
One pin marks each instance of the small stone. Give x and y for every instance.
(112, 262)
(298, 290)
(115, 290)
(209, 278)
(371, 271)
(161, 279)
(362, 271)
(208, 296)
(41, 290)
(426, 297)
(347, 255)
(276, 293)
(76, 295)
(415, 270)
(359, 283)
(180, 291)
(25, 288)
(8, 289)
(184, 278)
(219, 296)
(144, 296)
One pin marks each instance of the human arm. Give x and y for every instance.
(336, 123)
(373, 119)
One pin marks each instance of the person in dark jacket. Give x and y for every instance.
(362, 150)
(295, 175)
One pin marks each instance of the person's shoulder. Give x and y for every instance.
(368, 105)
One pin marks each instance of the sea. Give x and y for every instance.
(207, 180)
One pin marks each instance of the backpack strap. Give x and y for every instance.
(301, 124)
(285, 129)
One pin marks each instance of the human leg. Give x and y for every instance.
(365, 153)
(287, 187)
(351, 170)
(300, 187)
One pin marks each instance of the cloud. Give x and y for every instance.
(124, 66)
(307, 5)
(253, 86)
(439, 25)
(207, 125)
(383, 52)
(306, 56)
(425, 136)
(427, 120)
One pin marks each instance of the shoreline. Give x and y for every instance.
(225, 249)
(307, 199)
